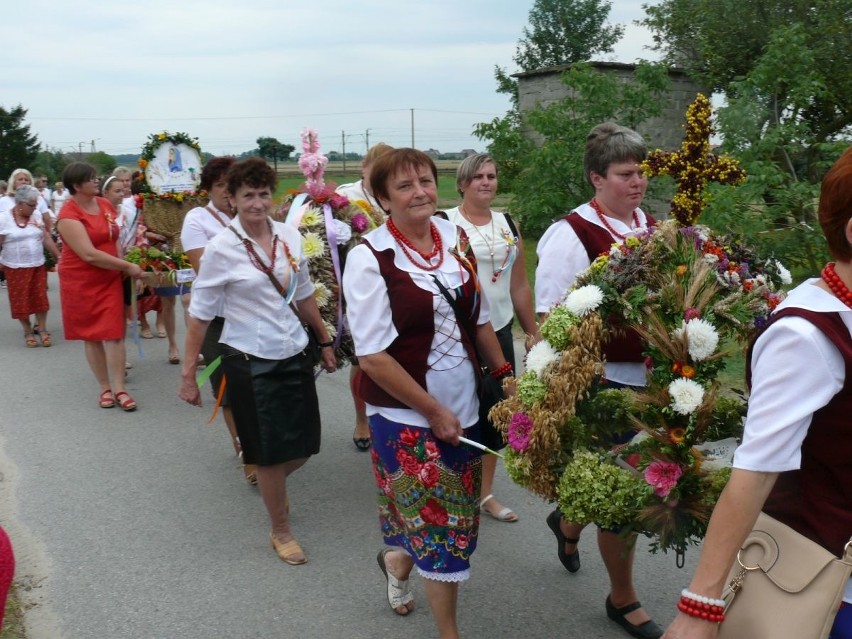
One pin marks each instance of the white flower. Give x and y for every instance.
(783, 273)
(710, 259)
(583, 300)
(310, 218)
(701, 338)
(540, 356)
(343, 232)
(686, 395)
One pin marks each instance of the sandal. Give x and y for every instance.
(505, 514)
(45, 339)
(362, 443)
(146, 333)
(127, 404)
(399, 594)
(287, 550)
(30, 340)
(250, 472)
(106, 399)
(572, 561)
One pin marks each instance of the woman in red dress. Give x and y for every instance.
(90, 274)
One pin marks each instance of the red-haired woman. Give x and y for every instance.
(793, 463)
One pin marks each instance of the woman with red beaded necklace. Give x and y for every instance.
(417, 353)
(612, 161)
(793, 463)
(254, 274)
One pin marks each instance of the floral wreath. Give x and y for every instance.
(155, 140)
(330, 224)
(691, 295)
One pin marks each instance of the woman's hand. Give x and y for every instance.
(329, 360)
(686, 627)
(531, 339)
(134, 271)
(445, 425)
(189, 391)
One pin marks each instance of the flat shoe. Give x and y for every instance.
(362, 443)
(146, 334)
(505, 514)
(174, 359)
(399, 594)
(286, 550)
(572, 561)
(128, 404)
(161, 333)
(647, 630)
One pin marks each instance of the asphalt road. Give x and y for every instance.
(139, 525)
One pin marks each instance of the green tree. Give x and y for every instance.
(18, 147)
(560, 32)
(271, 148)
(550, 177)
(103, 162)
(51, 162)
(783, 67)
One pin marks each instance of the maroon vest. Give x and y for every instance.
(816, 499)
(627, 346)
(413, 316)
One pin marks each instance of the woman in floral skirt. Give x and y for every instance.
(417, 353)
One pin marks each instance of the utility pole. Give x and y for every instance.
(367, 139)
(412, 128)
(343, 142)
(80, 149)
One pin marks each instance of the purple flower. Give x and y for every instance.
(520, 428)
(359, 223)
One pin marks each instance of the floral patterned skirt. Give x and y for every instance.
(428, 497)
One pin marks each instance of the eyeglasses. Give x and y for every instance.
(32, 205)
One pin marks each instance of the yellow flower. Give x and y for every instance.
(312, 245)
(322, 294)
(311, 218)
(681, 270)
(632, 242)
(364, 205)
(162, 136)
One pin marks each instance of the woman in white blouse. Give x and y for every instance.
(249, 274)
(793, 463)
(496, 243)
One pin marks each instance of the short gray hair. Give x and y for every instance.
(26, 193)
(121, 170)
(609, 143)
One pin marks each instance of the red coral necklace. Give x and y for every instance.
(597, 208)
(837, 286)
(405, 244)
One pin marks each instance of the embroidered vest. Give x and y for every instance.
(413, 312)
(815, 500)
(627, 346)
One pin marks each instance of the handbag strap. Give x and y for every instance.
(454, 305)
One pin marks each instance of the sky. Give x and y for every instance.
(103, 76)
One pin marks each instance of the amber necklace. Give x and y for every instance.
(404, 243)
(837, 285)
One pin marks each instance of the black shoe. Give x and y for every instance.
(572, 561)
(362, 443)
(647, 630)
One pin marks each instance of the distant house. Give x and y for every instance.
(432, 153)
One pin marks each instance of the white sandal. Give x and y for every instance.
(506, 514)
(399, 594)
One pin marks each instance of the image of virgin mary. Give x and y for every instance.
(175, 163)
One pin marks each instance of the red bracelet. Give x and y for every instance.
(700, 610)
(504, 371)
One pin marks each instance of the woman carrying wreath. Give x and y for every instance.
(23, 240)
(793, 463)
(417, 351)
(90, 273)
(254, 274)
(611, 161)
(361, 190)
(496, 243)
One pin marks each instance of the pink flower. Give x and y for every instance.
(310, 140)
(663, 476)
(338, 201)
(429, 474)
(519, 432)
(691, 314)
(432, 451)
(359, 223)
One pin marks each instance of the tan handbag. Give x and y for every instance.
(783, 586)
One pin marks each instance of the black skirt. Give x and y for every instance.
(275, 406)
(211, 349)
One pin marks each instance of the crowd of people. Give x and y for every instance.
(432, 300)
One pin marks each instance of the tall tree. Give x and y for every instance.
(271, 148)
(783, 67)
(18, 147)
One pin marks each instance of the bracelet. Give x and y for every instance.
(699, 609)
(327, 344)
(504, 371)
(686, 594)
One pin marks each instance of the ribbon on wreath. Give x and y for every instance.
(331, 235)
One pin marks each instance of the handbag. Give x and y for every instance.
(783, 585)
